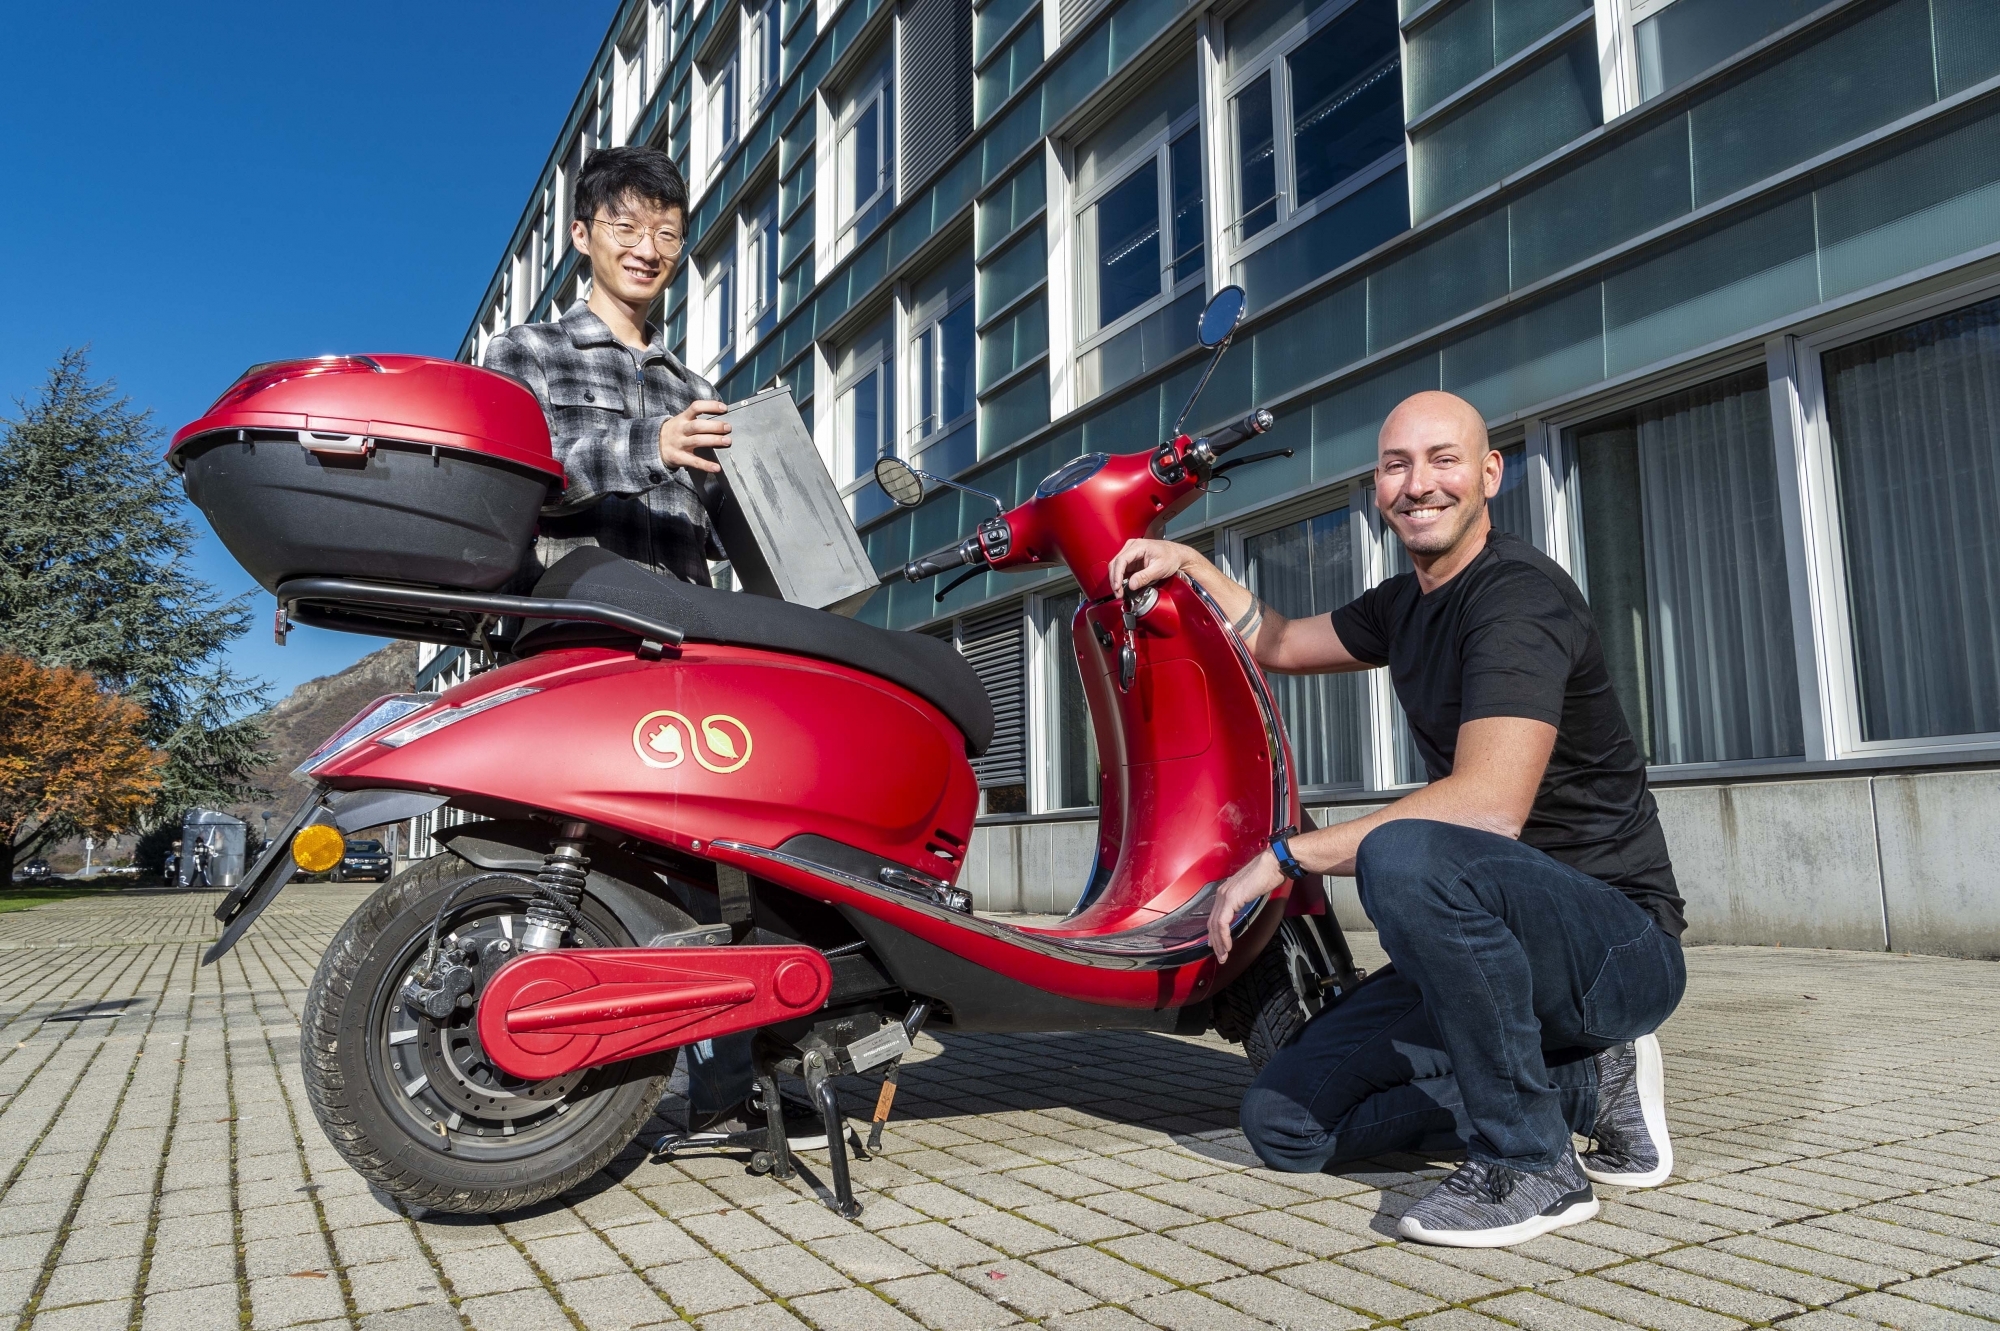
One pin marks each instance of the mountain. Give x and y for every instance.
(310, 713)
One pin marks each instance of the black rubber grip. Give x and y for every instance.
(939, 561)
(1232, 436)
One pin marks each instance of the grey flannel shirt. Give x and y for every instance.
(605, 403)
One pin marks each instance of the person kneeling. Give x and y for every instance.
(1524, 896)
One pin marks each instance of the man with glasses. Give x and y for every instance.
(625, 415)
(626, 418)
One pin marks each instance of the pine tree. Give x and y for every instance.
(94, 576)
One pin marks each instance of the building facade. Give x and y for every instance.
(1723, 276)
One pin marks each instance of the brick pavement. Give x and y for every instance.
(1836, 1119)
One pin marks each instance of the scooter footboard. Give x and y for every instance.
(548, 1013)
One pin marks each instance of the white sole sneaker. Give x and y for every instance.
(1652, 1082)
(1502, 1236)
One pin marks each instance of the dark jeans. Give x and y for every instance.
(1510, 972)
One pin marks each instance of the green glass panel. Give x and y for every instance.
(1555, 348)
(1968, 42)
(1335, 235)
(1013, 413)
(1528, 117)
(797, 144)
(1519, 24)
(1020, 197)
(1346, 419)
(1136, 22)
(1863, 74)
(1450, 50)
(1009, 137)
(1756, 268)
(1315, 339)
(994, 22)
(797, 188)
(1437, 280)
(1008, 73)
(1077, 74)
(1640, 184)
(1692, 36)
(1261, 481)
(1013, 342)
(1925, 203)
(795, 239)
(1009, 274)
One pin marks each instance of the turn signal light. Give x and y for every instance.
(318, 848)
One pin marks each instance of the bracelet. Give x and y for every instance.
(1288, 863)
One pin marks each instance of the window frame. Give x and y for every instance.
(883, 359)
(1158, 147)
(908, 443)
(720, 307)
(1291, 214)
(879, 93)
(722, 88)
(759, 297)
(763, 39)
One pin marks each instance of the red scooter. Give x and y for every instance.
(700, 812)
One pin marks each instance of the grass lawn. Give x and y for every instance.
(22, 896)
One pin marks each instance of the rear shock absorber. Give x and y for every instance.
(559, 893)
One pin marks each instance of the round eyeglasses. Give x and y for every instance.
(626, 234)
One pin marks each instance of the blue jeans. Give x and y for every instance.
(721, 1072)
(1510, 972)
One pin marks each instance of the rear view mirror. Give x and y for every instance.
(1221, 316)
(900, 481)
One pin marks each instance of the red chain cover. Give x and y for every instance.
(548, 1013)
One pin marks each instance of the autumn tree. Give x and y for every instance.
(95, 540)
(71, 755)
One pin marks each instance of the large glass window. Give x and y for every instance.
(865, 188)
(1914, 416)
(942, 356)
(1677, 41)
(1304, 569)
(1684, 565)
(760, 271)
(1070, 775)
(1139, 229)
(1315, 104)
(762, 35)
(722, 111)
(721, 300)
(864, 405)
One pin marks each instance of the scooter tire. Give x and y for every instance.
(1261, 1010)
(347, 1032)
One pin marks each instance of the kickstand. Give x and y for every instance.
(819, 1083)
(775, 1142)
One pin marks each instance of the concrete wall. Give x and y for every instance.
(1902, 863)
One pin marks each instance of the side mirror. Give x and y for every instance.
(1220, 317)
(900, 481)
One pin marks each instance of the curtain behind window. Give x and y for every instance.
(1685, 559)
(1309, 569)
(1915, 419)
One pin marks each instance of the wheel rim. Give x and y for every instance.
(434, 1076)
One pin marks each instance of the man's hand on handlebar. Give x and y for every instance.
(1142, 563)
(1258, 878)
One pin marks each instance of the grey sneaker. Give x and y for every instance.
(1484, 1205)
(1629, 1147)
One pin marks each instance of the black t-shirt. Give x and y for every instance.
(1512, 636)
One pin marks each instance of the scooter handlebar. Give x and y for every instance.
(939, 561)
(1233, 436)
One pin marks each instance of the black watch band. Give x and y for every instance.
(1288, 863)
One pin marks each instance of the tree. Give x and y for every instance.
(94, 576)
(70, 754)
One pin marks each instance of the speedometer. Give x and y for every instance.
(1071, 474)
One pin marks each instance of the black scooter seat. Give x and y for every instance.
(927, 667)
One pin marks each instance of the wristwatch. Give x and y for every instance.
(1288, 863)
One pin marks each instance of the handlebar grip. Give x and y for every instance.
(939, 561)
(1232, 436)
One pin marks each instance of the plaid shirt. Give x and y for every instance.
(605, 403)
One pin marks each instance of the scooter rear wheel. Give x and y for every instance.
(413, 1105)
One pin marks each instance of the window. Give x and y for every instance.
(865, 169)
(1913, 418)
(1672, 41)
(941, 361)
(722, 111)
(1312, 568)
(1069, 772)
(1315, 104)
(760, 271)
(1140, 253)
(761, 38)
(864, 406)
(1684, 566)
(629, 95)
(721, 298)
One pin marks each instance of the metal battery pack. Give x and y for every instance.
(783, 523)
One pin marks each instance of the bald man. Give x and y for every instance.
(1524, 896)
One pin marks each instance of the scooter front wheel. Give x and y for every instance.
(413, 1104)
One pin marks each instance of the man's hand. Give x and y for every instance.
(1258, 878)
(681, 435)
(1143, 563)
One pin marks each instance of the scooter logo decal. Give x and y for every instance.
(658, 741)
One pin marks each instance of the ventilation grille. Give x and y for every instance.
(935, 86)
(995, 647)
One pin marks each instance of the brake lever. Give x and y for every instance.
(956, 583)
(1234, 463)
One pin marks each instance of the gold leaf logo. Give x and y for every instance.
(721, 744)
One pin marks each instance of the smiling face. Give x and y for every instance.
(1434, 472)
(633, 276)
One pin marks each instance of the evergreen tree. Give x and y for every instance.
(94, 547)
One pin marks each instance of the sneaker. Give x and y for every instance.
(1487, 1205)
(1629, 1147)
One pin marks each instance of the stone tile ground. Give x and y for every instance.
(1839, 1167)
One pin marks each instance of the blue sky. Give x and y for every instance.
(194, 188)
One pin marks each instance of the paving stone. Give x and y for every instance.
(702, 1286)
(209, 1309)
(613, 1302)
(522, 1310)
(787, 1272)
(492, 1270)
(395, 1284)
(944, 1304)
(1184, 1310)
(867, 1257)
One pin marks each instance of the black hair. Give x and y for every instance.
(611, 175)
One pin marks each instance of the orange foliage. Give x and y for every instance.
(68, 749)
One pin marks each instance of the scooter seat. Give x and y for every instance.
(925, 666)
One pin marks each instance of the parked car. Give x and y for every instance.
(35, 871)
(364, 859)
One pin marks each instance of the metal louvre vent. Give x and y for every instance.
(995, 645)
(936, 82)
(1073, 14)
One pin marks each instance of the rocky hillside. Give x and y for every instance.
(304, 718)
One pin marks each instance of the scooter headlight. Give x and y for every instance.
(451, 716)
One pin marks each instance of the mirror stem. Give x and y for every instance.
(1195, 397)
